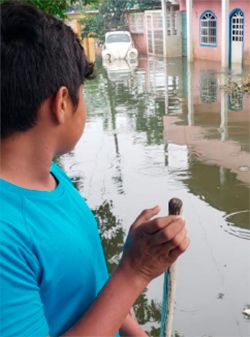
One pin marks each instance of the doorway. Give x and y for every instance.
(236, 36)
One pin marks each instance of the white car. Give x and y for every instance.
(118, 45)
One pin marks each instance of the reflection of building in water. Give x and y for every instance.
(235, 101)
(208, 85)
(217, 131)
(207, 145)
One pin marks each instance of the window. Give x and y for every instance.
(137, 25)
(237, 27)
(208, 29)
(116, 38)
(171, 21)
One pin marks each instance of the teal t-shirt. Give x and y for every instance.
(51, 259)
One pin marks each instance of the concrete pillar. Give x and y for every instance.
(164, 26)
(223, 110)
(225, 32)
(189, 8)
(190, 94)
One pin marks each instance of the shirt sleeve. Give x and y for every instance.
(21, 308)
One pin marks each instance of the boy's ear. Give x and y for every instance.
(61, 104)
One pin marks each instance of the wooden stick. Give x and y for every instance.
(174, 208)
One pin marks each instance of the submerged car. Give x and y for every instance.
(118, 45)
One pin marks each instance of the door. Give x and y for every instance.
(237, 36)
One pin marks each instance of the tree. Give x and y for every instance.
(114, 12)
(56, 7)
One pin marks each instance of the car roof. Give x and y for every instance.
(117, 32)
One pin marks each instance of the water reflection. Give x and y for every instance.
(113, 236)
(164, 129)
(162, 102)
(216, 139)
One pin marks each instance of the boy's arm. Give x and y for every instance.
(151, 248)
(109, 311)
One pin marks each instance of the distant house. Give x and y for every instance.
(147, 29)
(220, 29)
(216, 30)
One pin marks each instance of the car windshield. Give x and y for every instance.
(118, 38)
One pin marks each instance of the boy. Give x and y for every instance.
(54, 279)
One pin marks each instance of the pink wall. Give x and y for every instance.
(140, 43)
(139, 39)
(214, 53)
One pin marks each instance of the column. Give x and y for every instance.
(164, 26)
(189, 9)
(225, 32)
(224, 110)
(190, 95)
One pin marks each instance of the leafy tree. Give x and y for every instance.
(112, 14)
(56, 7)
(92, 25)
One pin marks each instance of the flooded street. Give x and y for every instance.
(164, 129)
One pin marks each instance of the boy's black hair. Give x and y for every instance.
(39, 54)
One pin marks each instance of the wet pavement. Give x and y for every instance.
(161, 129)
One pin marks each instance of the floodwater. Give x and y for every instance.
(163, 129)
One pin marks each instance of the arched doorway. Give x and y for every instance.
(236, 36)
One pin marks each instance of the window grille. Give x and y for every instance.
(208, 87)
(154, 32)
(208, 29)
(137, 24)
(235, 101)
(171, 23)
(237, 26)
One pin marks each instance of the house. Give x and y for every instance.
(148, 30)
(215, 30)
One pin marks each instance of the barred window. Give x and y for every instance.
(137, 24)
(208, 29)
(208, 87)
(237, 28)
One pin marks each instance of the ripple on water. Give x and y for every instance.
(238, 224)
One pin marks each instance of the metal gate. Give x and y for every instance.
(154, 32)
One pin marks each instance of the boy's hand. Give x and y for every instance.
(153, 245)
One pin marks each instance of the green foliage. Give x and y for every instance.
(113, 235)
(113, 11)
(92, 26)
(111, 232)
(56, 7)
(147, 311)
